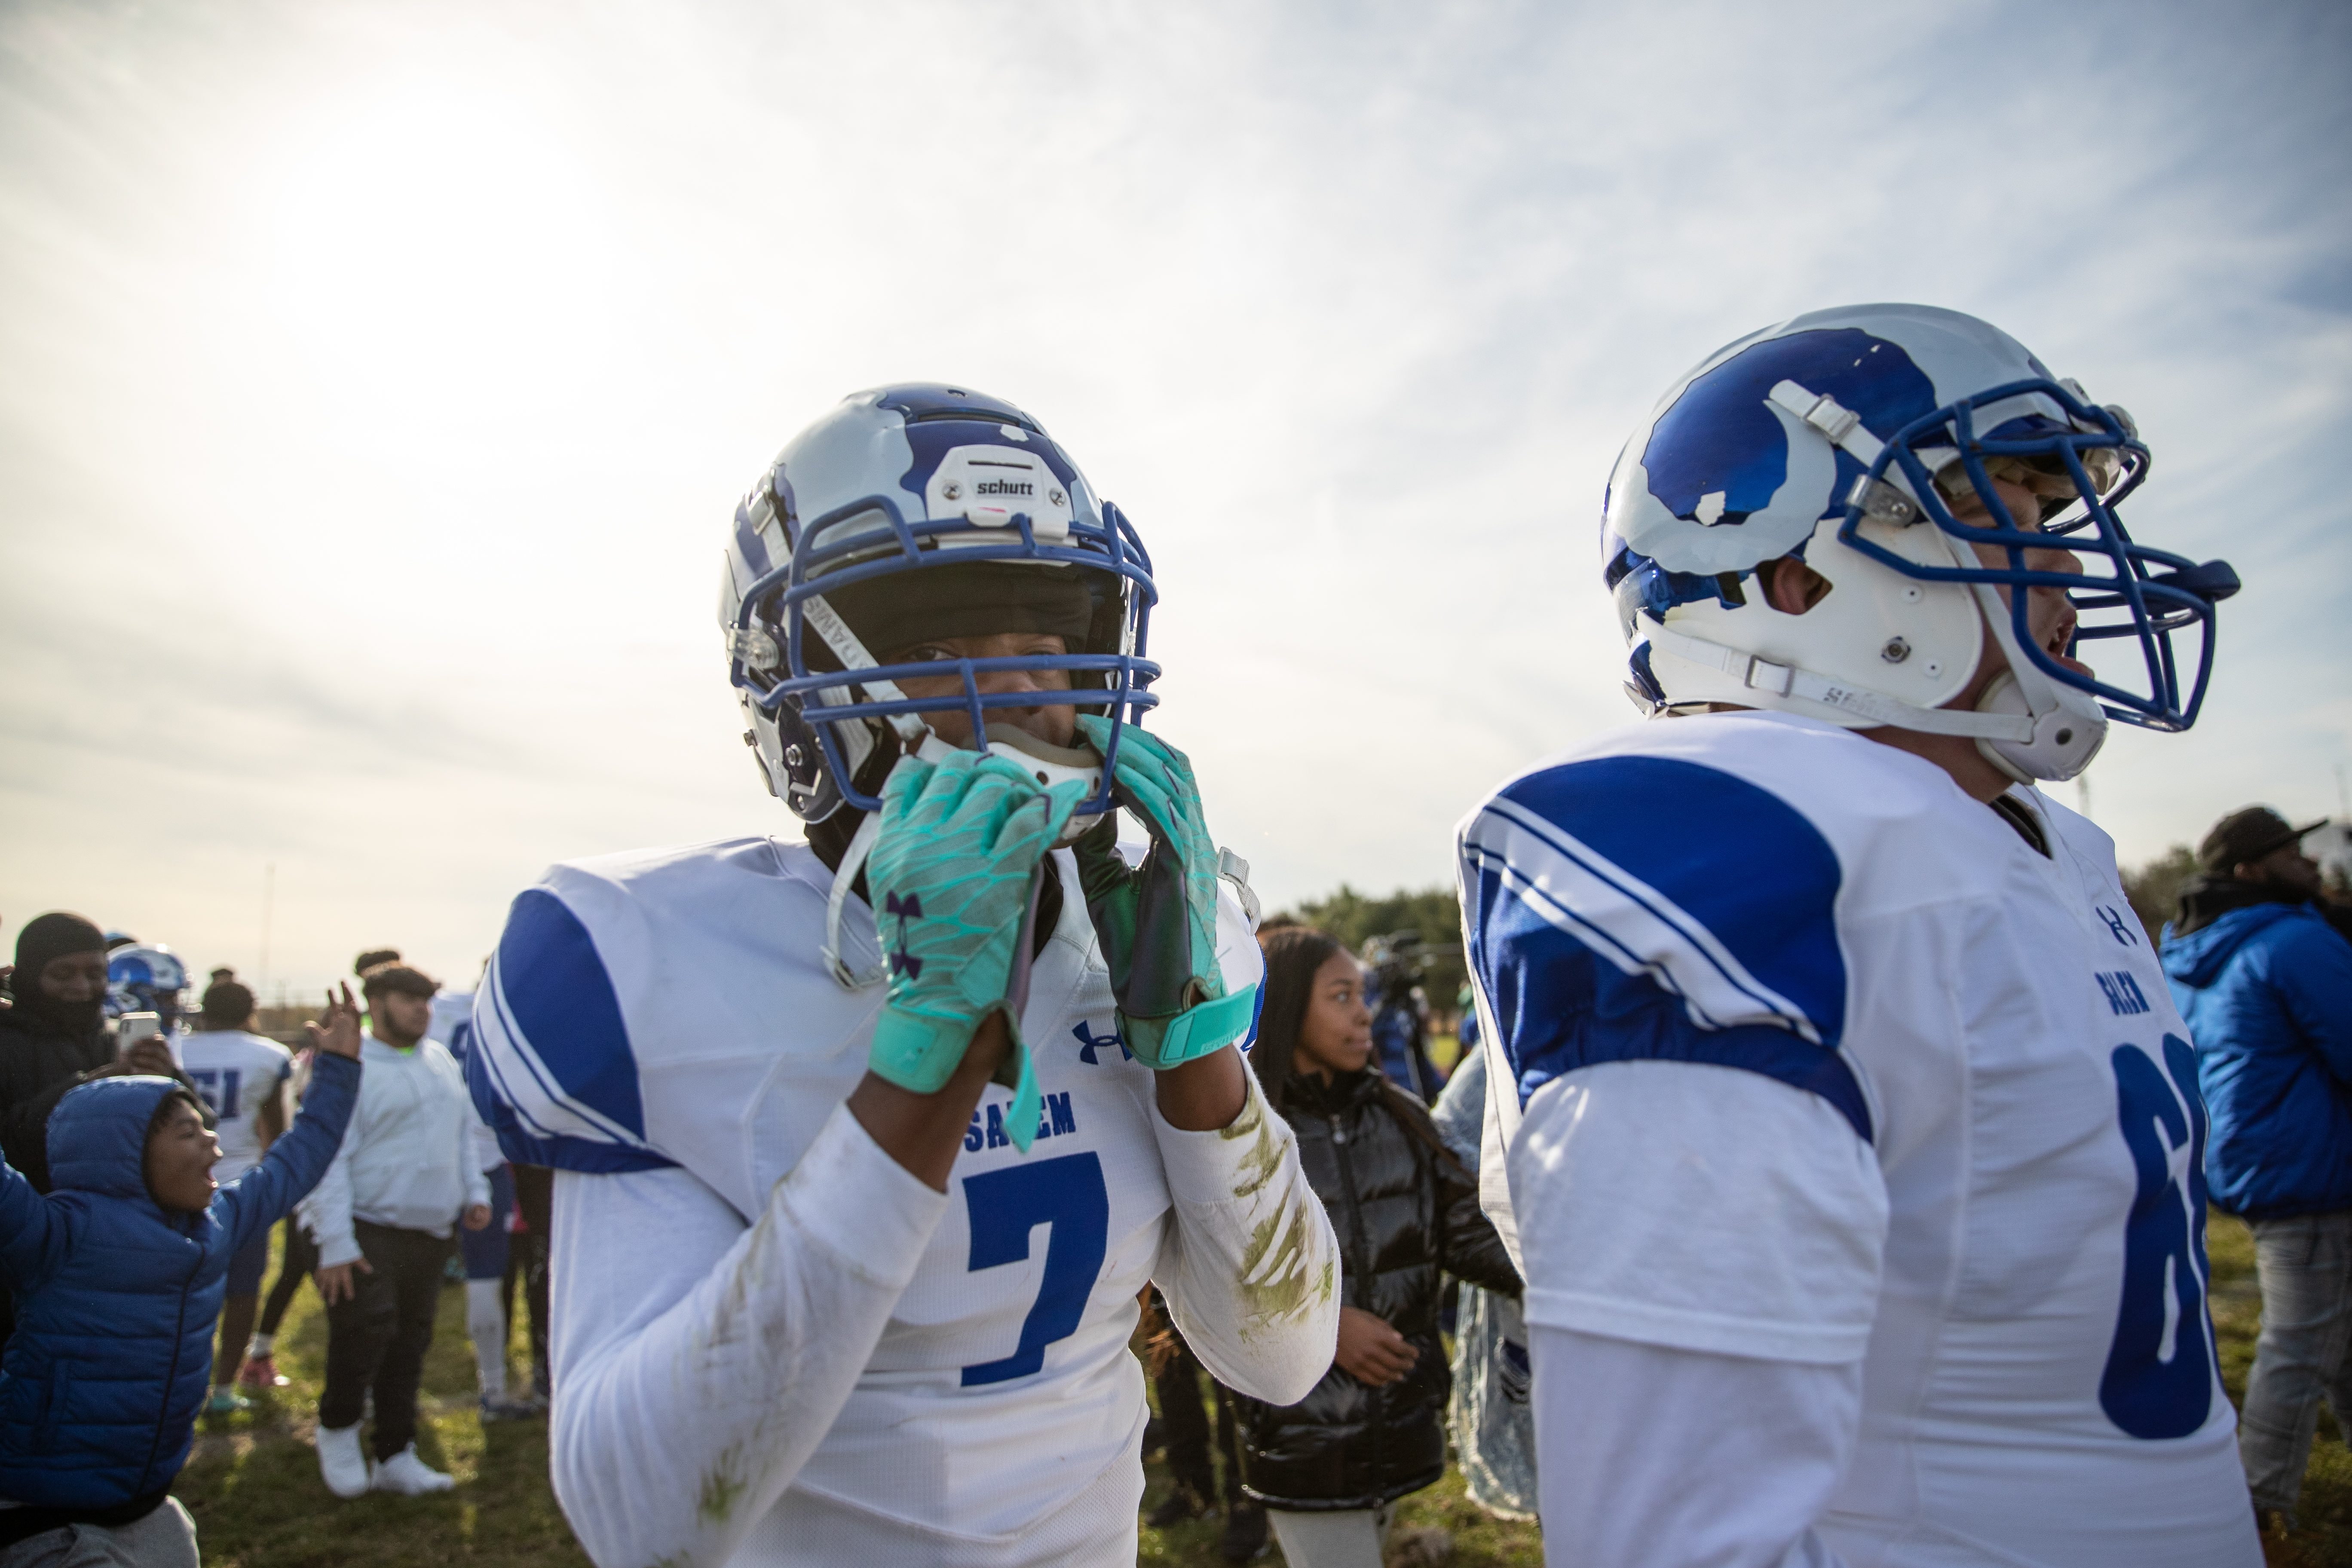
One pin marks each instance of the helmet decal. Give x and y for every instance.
(1720, 452)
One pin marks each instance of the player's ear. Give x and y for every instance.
(1790, 586)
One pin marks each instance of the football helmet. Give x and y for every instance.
(912, 511)
(146, 978)
(1849, 438)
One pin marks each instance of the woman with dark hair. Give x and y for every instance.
(1406, 1213)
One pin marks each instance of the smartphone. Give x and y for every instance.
(135, 1026)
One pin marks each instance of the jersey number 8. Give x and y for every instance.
(2160, 1366)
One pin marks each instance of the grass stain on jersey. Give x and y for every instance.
(1264, 1157)
(722, 1487)
(1251, 1120)
(1274, 1269)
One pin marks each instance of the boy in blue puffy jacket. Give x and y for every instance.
(118, 1276)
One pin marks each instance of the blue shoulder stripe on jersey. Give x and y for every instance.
(1666, 912)
(1560, 1006)
(561, 1001)
(1738, 860)
(527, 1145)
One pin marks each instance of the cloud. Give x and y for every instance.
(386, 374)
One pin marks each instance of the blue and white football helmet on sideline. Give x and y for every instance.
(1834, 437)
(912, 511)
(146, 978)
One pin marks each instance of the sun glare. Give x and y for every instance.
(435, 255)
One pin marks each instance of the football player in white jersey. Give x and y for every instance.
(851, 1214)
(1839, 1114)
(241, 1077)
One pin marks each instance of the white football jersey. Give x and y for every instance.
(453, 1020)
(236, 1073)
(667, 1016)
(453, 1025)
(1799, 1053)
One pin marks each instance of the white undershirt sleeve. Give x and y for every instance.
(699, 1362)
(1652, 1458)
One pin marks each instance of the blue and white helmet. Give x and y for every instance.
(933, 509)
(1833, 437)
(146, 978)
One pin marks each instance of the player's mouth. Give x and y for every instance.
(2059, 636)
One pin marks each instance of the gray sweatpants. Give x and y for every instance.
(164, 1538)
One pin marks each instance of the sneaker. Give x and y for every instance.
(341, 1464)
(509, 1410)
(258, 1373)
(1245, 1533)
(1183, 1503)
(227, 1401)
(409, 1475)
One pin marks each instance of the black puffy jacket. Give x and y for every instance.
(1403, 1217)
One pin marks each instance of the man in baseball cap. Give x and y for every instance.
(2265, 984)
(2252, 841)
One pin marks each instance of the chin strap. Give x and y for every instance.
(853, 861)
(1759, 674)
(816, 613)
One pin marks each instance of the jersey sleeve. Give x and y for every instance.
(702, 1360)
(1655, 949)
(549, 1064)
(1250, 1266)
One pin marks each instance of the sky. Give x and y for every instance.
(380, 379)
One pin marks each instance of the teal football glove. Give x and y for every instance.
(1158, 922)
(953, 869)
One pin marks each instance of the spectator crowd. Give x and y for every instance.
(149, 1153)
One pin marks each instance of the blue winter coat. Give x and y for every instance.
(2267, 993)
(116, 1296)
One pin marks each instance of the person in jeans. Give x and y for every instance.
(1493, 1426)
(2265, 984)
(384, 1217)
(242, 1078)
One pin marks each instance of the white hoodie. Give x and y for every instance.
(407, 1156)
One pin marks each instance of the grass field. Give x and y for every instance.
(253, 1483)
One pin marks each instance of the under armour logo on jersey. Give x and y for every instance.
(1089, 1043)
(910, 908)
(2121, 927)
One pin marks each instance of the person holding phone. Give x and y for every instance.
(54, 1037)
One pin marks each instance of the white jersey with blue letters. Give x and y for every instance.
(1832, 1118)
(238, 1073)
(772, 1344)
